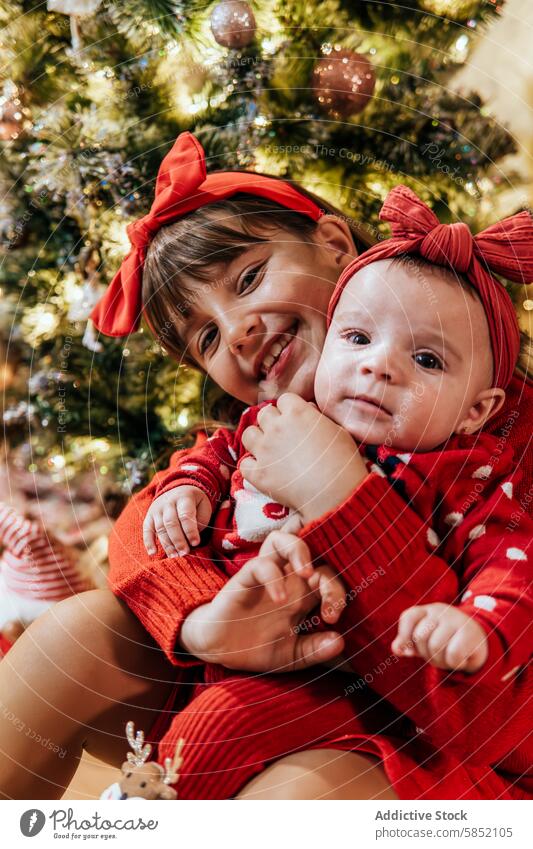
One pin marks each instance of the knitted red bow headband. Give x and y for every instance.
(505, 248)
(182, 186)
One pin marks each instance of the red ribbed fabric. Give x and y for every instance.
(235, 725)
(466, 727)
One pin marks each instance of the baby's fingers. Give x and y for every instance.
(332, 593)
(187, 515)
(289, 552)
(170, 533)
(466, 650)
(263, 571)
(149, 533)
(403, 644)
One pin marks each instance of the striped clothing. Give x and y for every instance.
(34, 564)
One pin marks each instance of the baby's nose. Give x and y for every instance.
(380, 364)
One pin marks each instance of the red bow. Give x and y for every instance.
(182, 186)
(505, 248)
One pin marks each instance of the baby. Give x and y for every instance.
(414, 364)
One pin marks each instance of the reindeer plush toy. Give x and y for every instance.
(143, 780)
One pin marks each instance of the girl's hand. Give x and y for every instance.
(301, 458)
(443, 635)
(252, 624)
(176, 518)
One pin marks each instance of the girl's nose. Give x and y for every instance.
(245, 334)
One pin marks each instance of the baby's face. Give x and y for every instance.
(406, 356)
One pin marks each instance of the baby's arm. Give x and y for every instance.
(489, 543)
(187, 496)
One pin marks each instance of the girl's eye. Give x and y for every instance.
(249, 279)
(207, 340)
(427, 360)
(355, 337)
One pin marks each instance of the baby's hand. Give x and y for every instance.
(443, 635)
(283, 552)
(176, 518)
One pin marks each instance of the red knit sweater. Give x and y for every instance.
(462, 491)
(483, 719)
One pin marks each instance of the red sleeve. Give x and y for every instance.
(208, 467)
(160, 591)
(379, 546)
(486, 536)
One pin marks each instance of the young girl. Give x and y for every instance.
(408, 380)
(103, 654)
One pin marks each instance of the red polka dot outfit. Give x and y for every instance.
(439, 734)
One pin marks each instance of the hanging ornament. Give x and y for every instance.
(75, 9)
(458, 10)
(233, 23)
(343, 82)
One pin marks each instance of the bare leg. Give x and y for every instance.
(321, 774)
(71, 682)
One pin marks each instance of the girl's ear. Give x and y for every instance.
(486, 405)
(334, 234)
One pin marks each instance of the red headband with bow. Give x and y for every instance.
(505, 248)
(182, 186)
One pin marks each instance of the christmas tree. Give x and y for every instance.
(348, 97)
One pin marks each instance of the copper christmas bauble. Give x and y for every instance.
(343, 82)
(233, 23)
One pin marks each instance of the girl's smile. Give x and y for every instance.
(258, 329)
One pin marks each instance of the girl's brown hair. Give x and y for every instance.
(192, 245)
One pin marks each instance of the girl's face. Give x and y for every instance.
(259, 328)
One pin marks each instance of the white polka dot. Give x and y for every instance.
(432, 537)
(485, 602)
(508, 489)
(228, 545)
(224, 471)
(454, 519)
(404, 457)
(512, 672)
(225, 504)
(189, 467)
(377, 470)
(232, 454)
(483, 473)
(477, 532)
(466, 595)
(516, 554)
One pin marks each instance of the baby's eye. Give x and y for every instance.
(207, 339)
(427, 360)
(357, 338)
